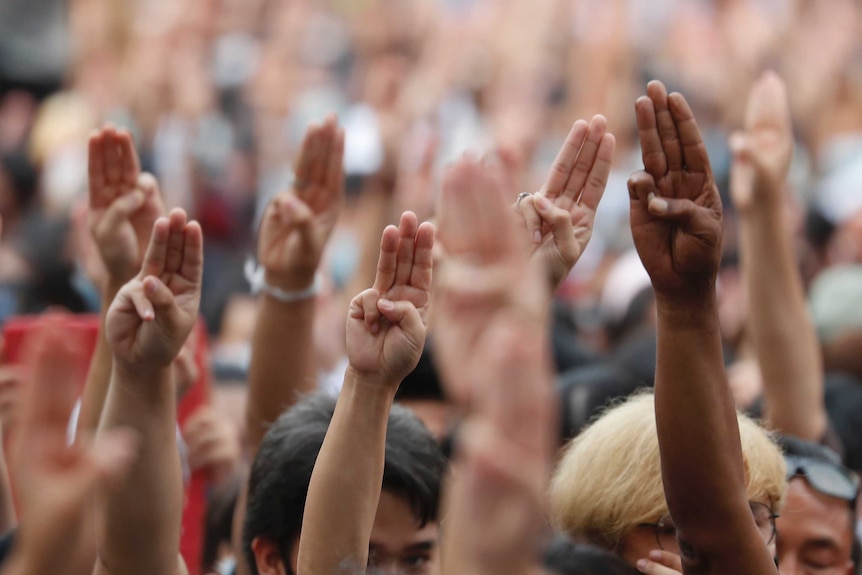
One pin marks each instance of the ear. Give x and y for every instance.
(267, 558)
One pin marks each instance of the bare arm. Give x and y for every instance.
(495, 517)
(784, 337)
(385, 336)
(676, 225)
(146, 327)
(294, 232)
(123, 207)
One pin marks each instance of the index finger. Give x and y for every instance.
(131, 167)
(387, 262)
(96, 172)
(652, 152)
(561, 169)
(693, 149)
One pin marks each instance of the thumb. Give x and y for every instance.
(681, 210)
(163, 300)
(119, 211)
(405, 315)
(560, 222)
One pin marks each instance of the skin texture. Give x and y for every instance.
(146, 327)
(490, 310)
(784, 337)
(386, 332)
(56, 483)
(815, 533)
(560, 216)
(676, 226)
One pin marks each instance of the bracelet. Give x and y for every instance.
(256, 277)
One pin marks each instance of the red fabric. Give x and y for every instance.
(15, 333)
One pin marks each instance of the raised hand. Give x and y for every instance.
(560, 216)
(762, 152)
(386, 325)
(153, 314)
(124, 203)
(490, 307)
(486, 267)
(675, 206)
(55, 481)
(298, 223)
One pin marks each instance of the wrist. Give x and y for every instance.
(290, 281)
(374, 386)
(155, 379)
(695, 309)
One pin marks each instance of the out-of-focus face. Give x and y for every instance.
(398, 544)
(815, 534)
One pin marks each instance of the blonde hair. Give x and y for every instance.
(608, 479)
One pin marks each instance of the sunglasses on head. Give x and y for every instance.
(827, 478)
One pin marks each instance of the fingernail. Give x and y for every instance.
(537, 237)
(386, 304)
(375, 328)
(542, 202)
(150, 286)
(642, 564)
(658, 205)
(655, 555)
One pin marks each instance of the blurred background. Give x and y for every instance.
(218, 93)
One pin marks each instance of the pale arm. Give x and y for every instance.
(385, 336)
(784, 337)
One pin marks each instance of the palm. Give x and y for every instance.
(671, 253)
(153, 314)
(298, 224)
(388, 342)
(675, 206)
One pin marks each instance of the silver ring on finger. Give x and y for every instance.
(521, 196)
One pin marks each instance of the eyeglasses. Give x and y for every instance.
(827, 478)
(665, 531)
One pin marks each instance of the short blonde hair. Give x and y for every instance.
(608, 479)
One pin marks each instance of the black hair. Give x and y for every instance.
(278, 485)
(423, 383)
(218, 521)
(565, 557)
(584, 392)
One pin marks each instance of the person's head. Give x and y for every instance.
(607, 488)
(817, 524)
(565, 557)
(405, 528)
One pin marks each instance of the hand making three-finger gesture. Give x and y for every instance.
(560, 216)
(675, 205)
(298, 223)
(153, 314)
(386, 325)
(124, 203)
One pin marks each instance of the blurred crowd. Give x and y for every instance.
(217, 96)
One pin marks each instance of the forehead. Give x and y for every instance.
(809, 514)
(396, 527)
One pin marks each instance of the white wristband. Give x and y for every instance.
(256, 277)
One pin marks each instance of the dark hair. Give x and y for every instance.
(278, 484)
(584, 392)
(423, 383)
(565, 557)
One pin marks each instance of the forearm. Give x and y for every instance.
(141, 520)
(99, 374)
(282, 367)
(701, 455)
(783, 335)
(342, 500)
